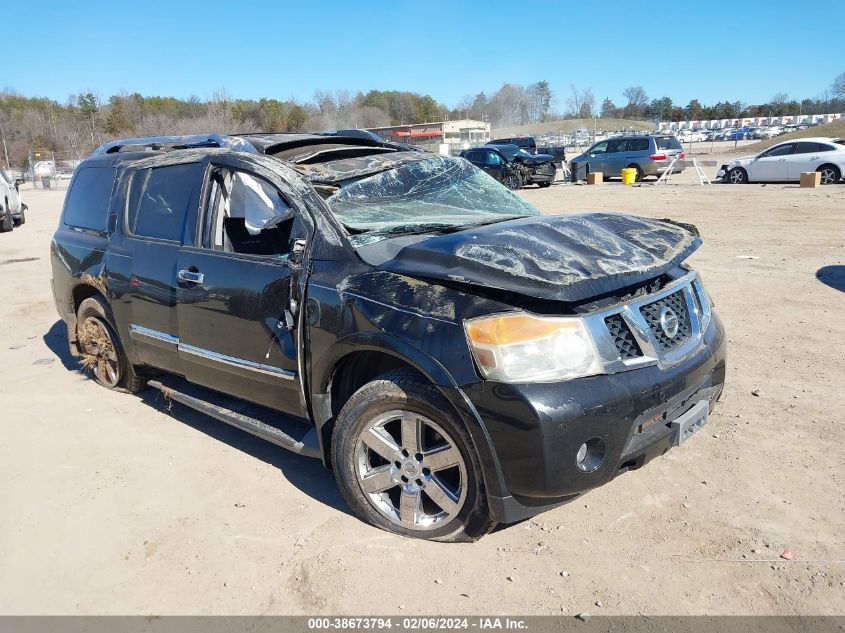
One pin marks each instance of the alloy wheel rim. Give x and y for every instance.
(827, 176)
(736, 177)
(411, 470)
(99, 353)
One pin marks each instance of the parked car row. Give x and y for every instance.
(785, 162)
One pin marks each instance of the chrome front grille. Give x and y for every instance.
(674, 305)
(660, 329)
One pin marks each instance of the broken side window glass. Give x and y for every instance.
(257, 202)
(437, 192)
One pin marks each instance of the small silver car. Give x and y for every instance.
(650, 155)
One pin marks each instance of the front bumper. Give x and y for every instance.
(537, 429)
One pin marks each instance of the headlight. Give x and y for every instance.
(519, 347)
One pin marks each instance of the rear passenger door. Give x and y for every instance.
(808, 156)
(238, 292)
(143, 258)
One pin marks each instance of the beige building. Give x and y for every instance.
(455, 135)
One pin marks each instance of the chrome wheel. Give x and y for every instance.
(829, 176)
(411, 470)
(737, 176)
(98, 352)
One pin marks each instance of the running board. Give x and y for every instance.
(289, 433)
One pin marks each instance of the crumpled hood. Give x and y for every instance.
(563, 258)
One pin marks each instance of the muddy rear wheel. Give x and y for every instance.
(101, 350)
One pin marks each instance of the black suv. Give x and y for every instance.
(512, 166)
(455, 357)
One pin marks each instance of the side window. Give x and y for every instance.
(493, 158)
(638, 145)
(598, 148)
(158, 200)
(87, 203)
(807, 148)
(247, 215)
(616, 145)
(780, 150)
(472, 156)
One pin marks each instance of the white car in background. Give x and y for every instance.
(12, 210)
(785, 162)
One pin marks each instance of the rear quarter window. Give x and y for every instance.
(667, 142)
(87, 203)
(638, 145)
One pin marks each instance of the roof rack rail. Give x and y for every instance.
(168, 143)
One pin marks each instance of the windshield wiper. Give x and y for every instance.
(411, 229)
(434, 227)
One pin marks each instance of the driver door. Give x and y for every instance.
(596, 156)
(772, 165)
(237, 292)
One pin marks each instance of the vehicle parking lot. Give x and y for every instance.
(118, 504)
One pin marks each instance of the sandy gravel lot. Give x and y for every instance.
(117, 504)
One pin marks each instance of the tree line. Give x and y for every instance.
(72, 129)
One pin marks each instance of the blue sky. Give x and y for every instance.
(744, 51)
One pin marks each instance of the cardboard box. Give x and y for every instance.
(811, 179)
(597, 178)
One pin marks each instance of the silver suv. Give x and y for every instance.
(650, 155)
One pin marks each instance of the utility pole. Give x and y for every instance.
(6, 153)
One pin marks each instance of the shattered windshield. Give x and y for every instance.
(435, 194)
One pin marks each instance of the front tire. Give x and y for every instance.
(101, 350)
(512, 182)
(6, 221)
(21, 220)
(405, 464)
(737, 176)
(830, 174)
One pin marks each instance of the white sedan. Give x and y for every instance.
(785, 162)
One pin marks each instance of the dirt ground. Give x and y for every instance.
(116, 504)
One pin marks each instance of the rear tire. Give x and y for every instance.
(737, 176)
(543, 185)
(102, 353)
(405, 464)
(830, 174)
(640, 174)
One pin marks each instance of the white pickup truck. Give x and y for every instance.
(12, 210)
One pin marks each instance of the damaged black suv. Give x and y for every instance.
(455, 357)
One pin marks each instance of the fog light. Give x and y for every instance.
(590, 455)
(582, 453)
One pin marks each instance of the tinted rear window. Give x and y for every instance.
(87, 203)
(638, 145)
(667, 142)
(159, 199)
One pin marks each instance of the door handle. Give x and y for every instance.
(190, 276)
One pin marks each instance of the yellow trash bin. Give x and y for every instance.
(629, 176)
